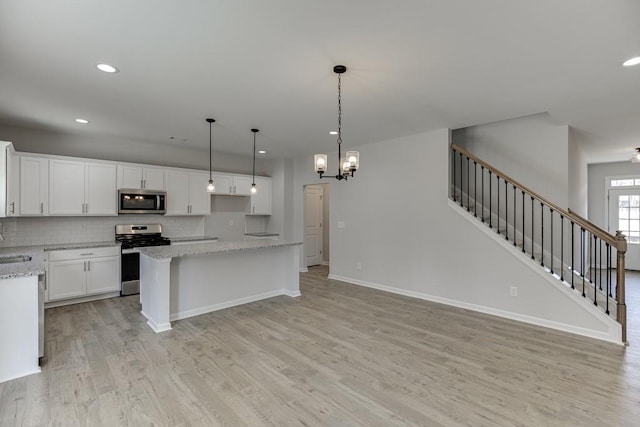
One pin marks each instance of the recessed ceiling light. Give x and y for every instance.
(107, 68)
(631, 62)
(83, 121)
(333, 132)
(262, 152)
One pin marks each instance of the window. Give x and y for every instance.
(626, 182)
(629, 217)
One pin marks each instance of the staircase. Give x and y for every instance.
(574, 251)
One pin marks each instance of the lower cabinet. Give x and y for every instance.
(83, 272)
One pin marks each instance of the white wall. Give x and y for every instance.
(326, 222)
(532, 150)
(597, 187)
(578, 176)
(400, 226)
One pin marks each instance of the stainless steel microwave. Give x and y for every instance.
(136, 201)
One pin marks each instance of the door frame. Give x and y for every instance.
(304, 223)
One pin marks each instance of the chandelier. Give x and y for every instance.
(348, 164)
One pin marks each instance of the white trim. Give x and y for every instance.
(215, 307)
(325, 263)
(293, 294)
(304, 270)
(162, 327)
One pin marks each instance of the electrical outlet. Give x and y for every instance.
(358, 265)
(231, 223)
(341, 224)
(514, 291)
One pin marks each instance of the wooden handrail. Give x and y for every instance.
(577, 219)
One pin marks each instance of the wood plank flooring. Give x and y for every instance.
(340, 355)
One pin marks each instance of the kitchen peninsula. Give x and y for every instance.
(177, 282)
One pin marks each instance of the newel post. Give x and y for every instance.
(621, 249)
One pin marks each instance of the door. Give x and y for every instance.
(129, 177)
(66, 187)
(13, 184)
(261, 201)
(153, 179)
(223, 183)
(100, 189)
(313, 225)
(624, 215)
(241, 186)
(199, 199)
(34, 186)
(67, 279)
(103, 275)
(177, 202)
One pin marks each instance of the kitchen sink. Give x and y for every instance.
(10, 259)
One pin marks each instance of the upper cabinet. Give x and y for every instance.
(232, 185)
(140, 177)
(82, 188)
(34, 186)
(13, 184)
(187, 193)
(261, 201)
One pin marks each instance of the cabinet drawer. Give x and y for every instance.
(63, 255)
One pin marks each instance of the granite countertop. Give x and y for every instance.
(192, 239)
(38, 256)
(262, 234)
(163, 252)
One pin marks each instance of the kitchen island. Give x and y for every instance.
(177, 282)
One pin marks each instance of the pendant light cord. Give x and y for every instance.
(339, 123)
(210, 166)
(254, 158)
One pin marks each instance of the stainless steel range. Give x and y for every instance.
(134, 236)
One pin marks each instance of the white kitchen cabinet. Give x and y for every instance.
(34, 186)
(187, 193)
(82, 188)
(232, 185)
(82, 272)
(140, 177)
(261, 200)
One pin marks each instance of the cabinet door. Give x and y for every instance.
(129, 176)
(153, 179)
(13, 184)
(177, 187)
(100, 189)
(199, 199)
(34, 182)
(103, 275)
(67, 279)
(66, 187)
(223, 183)
(242, 185)
(261, 201)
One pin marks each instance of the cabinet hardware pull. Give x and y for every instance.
(13, 207)
(84, 266)
(87, 254)
(142, 183)
(88, 265)
(41, 207)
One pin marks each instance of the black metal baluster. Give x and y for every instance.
(595, 277)
(608, 290)
(523, 233)
(490, 201)
(573, 262)
(551, 237)
(482, 204)
(498, 202)
(533, 249)
(468, 188)
(506, 210)
(541, 234)
(453, 160)
(610, 271)
(600, 263)
(514, 216)
(562, 247)
(582, 259)
(475, 189)
(461, 202)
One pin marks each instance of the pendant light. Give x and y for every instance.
(351, 162)
(636, 156)
(254, 190)
(211, 188)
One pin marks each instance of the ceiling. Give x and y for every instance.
(414, 66)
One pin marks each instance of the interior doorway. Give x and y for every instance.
(316, 224)
(624, 215)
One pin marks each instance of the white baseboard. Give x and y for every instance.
(155, 326)
(293, 294)
(232, 303)
(60, 303)
(304, 270)
(23, 374)
(482, 309)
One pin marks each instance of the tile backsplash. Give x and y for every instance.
(53, 230)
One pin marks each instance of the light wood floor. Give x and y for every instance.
(340, 355)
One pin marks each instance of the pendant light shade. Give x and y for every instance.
(254, 190)
(211, 188)
(349, 164)
(636, 156)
